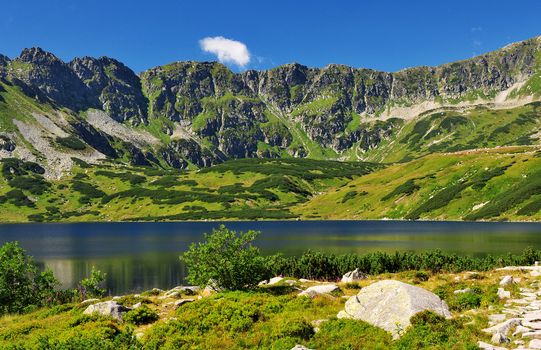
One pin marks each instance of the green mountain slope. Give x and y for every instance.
(91, 140)
(491, 184)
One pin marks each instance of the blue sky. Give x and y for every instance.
(385, 35)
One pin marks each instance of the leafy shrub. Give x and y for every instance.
(328, 266)
(34, 185)
(431, 331)
(17, 198)
(349, 195)
(406, 188)
(71, 142)
(22, 286)
(465, 301)
(87, 189)
(141, 315)
(227, 258)
(91, 287)
(296, 327)
(338, 334)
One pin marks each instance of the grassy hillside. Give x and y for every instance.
(241, 189)
(458, 130)
(492, 184)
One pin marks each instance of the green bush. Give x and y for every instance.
(431, 331)
(22, 286)
(91, 287)
(71, 142)
(350, 334)
(465, 301)
(227, 258)
(141, 315)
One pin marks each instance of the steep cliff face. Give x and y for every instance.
(81, 84)
(203, 113)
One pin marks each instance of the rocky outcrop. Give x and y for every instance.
(390, 304)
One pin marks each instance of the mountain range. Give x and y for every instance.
(57, 118)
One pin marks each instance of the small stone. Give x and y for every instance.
(533, 334)
(135, 306)
(496, 318)
(354, 276)
(89, 301)
(503, 327)
(506, 280)
(317, 324)
(318, 290)
(462, 291)
(503, 294)
(535, 344)
(275, 280)
(181, 302)
(499, 338)
(486, 346)
(520, 330)
(300, 347)
(533, 325)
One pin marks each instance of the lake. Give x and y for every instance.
(140, 256)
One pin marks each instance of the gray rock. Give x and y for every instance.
(503, 294)
(486, 346)
(462, 291)
(497, 318)
(390, 304)
(532, 334)
(317, 324)
(318, 290)
(300, 347)
(503, 327)
(520, 330)
(274, 280)
(499, 338)
(354, 276)
(506, 280)
(107, 308)
(535, 344)
(89, 301)
(181, 302)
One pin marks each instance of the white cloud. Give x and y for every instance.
(227, 50)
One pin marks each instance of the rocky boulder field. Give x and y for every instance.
(498, 309)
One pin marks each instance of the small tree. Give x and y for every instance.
(91, 287)
(226, 258)
(22, 285)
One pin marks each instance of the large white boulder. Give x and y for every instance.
(107, 308)
(390, 304)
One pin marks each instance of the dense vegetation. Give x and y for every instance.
(265, 317)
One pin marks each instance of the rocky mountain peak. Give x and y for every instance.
(37, 55)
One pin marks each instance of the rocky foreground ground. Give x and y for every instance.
(511, 320)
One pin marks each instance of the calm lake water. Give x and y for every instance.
(140, 256)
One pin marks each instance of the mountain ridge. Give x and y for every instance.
(202, 113)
